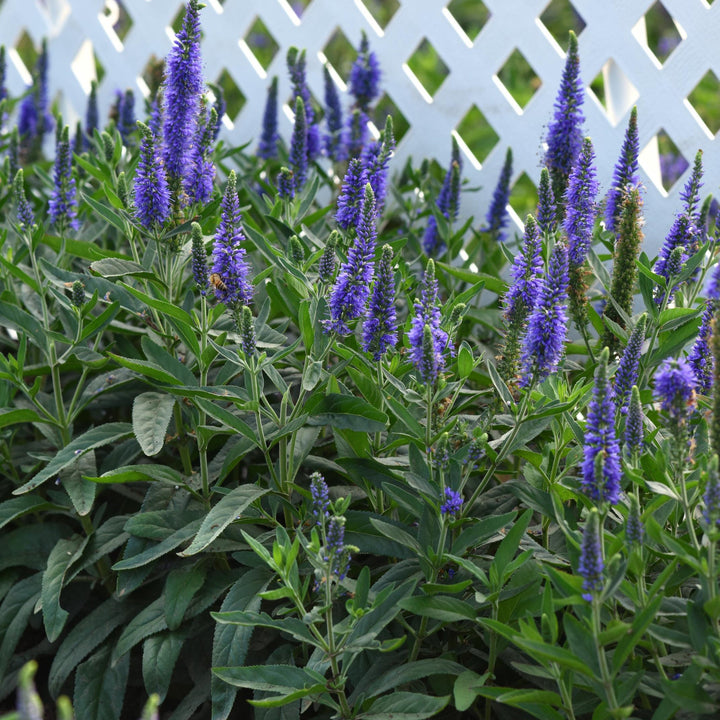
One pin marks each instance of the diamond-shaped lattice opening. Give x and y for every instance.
(662, 161)
(86, 66)
(427, 68)
(177, 23)
(340, 53)
(662, 34)
(152, 74)
(705, 99)
(234, 99)
(477, 133)
(26, 50)
(618, 103)
(384, 107)
(116, 20)
(382, 11)
(298, 6)
(559, 17)
(523, 196)
(260, 43)
(470, 16)
(519, 79)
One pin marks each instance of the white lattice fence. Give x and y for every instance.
(613, 44)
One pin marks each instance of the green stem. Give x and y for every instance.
(605, 676)
(492, 659)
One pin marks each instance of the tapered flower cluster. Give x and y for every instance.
(334, 141)
(546, 209)
(564, 137)
(126, 116)
(181, 95)
(497, 214)
(700, 358)
(545, 338)
(267, 147)
(201, 169)
(320, 497)
(448, 202)
(625, 172)
(635, 424)
(428, 341)
(230, 270)
(376, 160)
(298, 157)
(591, 560)
(527, 275)
(601, 466)
(23, 209)
(326, 265)
(684, 232)
(627, 372)
(675, 389)
(92, 117)
(634, 530)
(711, 496)
(349, 295)
(337, 555)
(350, 200)
(453, 503)
(364, 86)
(63, 206)
(580, 205)
(380, 327)
(296, 64)
(199, 259)
(248, 341)
(152, 194)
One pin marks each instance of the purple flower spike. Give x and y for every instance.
(91, 116)
(298, 157)
(3, 74)
(267, 148)
(376, 159)
(546, 209)
(428, 341)
(357, 132)
(580, 205)
(25, 216)
(711, 496)
(700, 358)
(601, 467)
(320, 497)
(230, 270)
(675, 389)
(625, 172)
(351, 196)
(635, 424)
(201, 169)
(527, 275)
(334, 141)
(448, 202)
(564, 137)
(591, 560)
(62, 208)
(42, 103)
(296, 67)
(126, 121)
(453, 503)
(182, 89)
(380, 327)
(286, 184)
(547, 328)
(152, 195)
(627, 372)
(349, 295)
(365, 76)
(497, 215)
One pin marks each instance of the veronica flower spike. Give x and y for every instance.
(591, 558)
(349, 295)
(267, 147)
(380, 327)
(349, 203)
(182, 89)
(497, 214)
(625, 172)
(545, 338)
(296, 66)
(334, 141)
(63, 205)
(448, 202)
(546, 209)
(580, 205)
(298, 157)
(601, 466)
(152, 194)
(564, 137)
(230, 270)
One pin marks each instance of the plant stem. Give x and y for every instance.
(602, 660)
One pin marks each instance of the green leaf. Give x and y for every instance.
(100, 686)
(499, 384)
(509, 546)
(640, 624)
(148, 621)
(492, 283)
(93, 438)
(81, 491)
(151, 413)
(283, 679)
(180, 587)
(63, 555)
(155, 551)
(672, 318)
(116, 267)
(439, 607)
(465, 688)
(403, 674)
(114, 218)
(15, 611)
(166, 308)
(17, 507)
(397, 534)
(147, 369)
(231, 642)
(292, 626)
(160, 653)
(465, 361)
(480, 532)
(347, 413)
(9, 416)
(133, 473)
(12, 316)
(405, 706)
(90, 632)
(228, 509)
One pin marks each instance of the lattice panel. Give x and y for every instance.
(245, 43)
